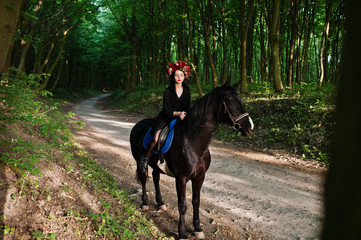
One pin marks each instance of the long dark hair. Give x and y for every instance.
(174, 97)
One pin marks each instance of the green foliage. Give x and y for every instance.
(29, 115)
(39, 235)
(145, 101)
(130, 224)
(37, 114)
(300, 121)
(23, 154)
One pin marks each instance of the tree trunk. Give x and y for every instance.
(51, 69)
(324, 45)
(206, 34)
(57, 76)
(224, 45)
(306, 42)
(25, 45)
(134, 55)
(342, 195)
(9, 15)
(275, 48)
(199, 89)
(244, 26)
(262, 46)
(294, 29)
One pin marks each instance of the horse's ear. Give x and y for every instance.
(236, 85)
(228, 82)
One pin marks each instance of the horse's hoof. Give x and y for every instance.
(145, 207)
(162, 208)
(199, 235)
(182, 237)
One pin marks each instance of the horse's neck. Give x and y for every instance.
(206, 127)
(211, 117)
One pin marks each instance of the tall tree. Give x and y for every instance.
(342, 195)
(275, 46)
(204, 10)
(262, 41)
(244, 26)
(9, 16)
(324, 45)
(190, 30)
(309, 16)
(294, 31)
(224, 43)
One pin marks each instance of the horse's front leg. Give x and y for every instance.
(158, 195)
(196, 190)
(182, 206)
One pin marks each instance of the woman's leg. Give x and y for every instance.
(143, 163)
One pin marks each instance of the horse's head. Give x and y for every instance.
(234, 112)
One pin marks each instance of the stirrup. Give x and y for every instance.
(161, 158)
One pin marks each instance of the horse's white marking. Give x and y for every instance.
(251, 122)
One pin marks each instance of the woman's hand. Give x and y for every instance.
(183, 115)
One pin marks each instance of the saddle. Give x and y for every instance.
(164, 141)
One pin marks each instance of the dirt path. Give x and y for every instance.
(246, 194)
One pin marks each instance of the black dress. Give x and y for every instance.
(180, 104)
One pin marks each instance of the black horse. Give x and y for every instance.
(189, 157)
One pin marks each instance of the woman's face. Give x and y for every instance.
(178, 77)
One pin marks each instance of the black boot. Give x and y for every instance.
(143, 164)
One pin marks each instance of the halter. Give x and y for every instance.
(234, 119)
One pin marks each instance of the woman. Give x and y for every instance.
(176, 103)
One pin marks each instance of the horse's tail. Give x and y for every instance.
(136, 142)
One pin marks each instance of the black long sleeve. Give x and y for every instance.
(183, 103)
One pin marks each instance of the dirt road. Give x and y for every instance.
(246, 194)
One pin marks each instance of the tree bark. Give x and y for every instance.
(224, 45)
(275, 48)
(51, 69)
(195, 72)
(324, 46)
(262, 45)
(306, 42)
(25, 44)
(206, 34)
(294, 27)
(244, 26)
(342, 194)
(134, 55)
(9, 15)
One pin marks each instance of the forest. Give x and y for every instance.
(288, 57)
(111, 44)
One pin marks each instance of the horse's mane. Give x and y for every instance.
(202, 107)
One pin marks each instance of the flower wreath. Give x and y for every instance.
(181, 66)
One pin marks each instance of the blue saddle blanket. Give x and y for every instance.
(167, 143)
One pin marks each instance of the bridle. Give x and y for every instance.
(234, 119)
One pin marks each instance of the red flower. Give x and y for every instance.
(179, 65)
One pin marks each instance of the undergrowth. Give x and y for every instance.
(300, 121)
(34, 134)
